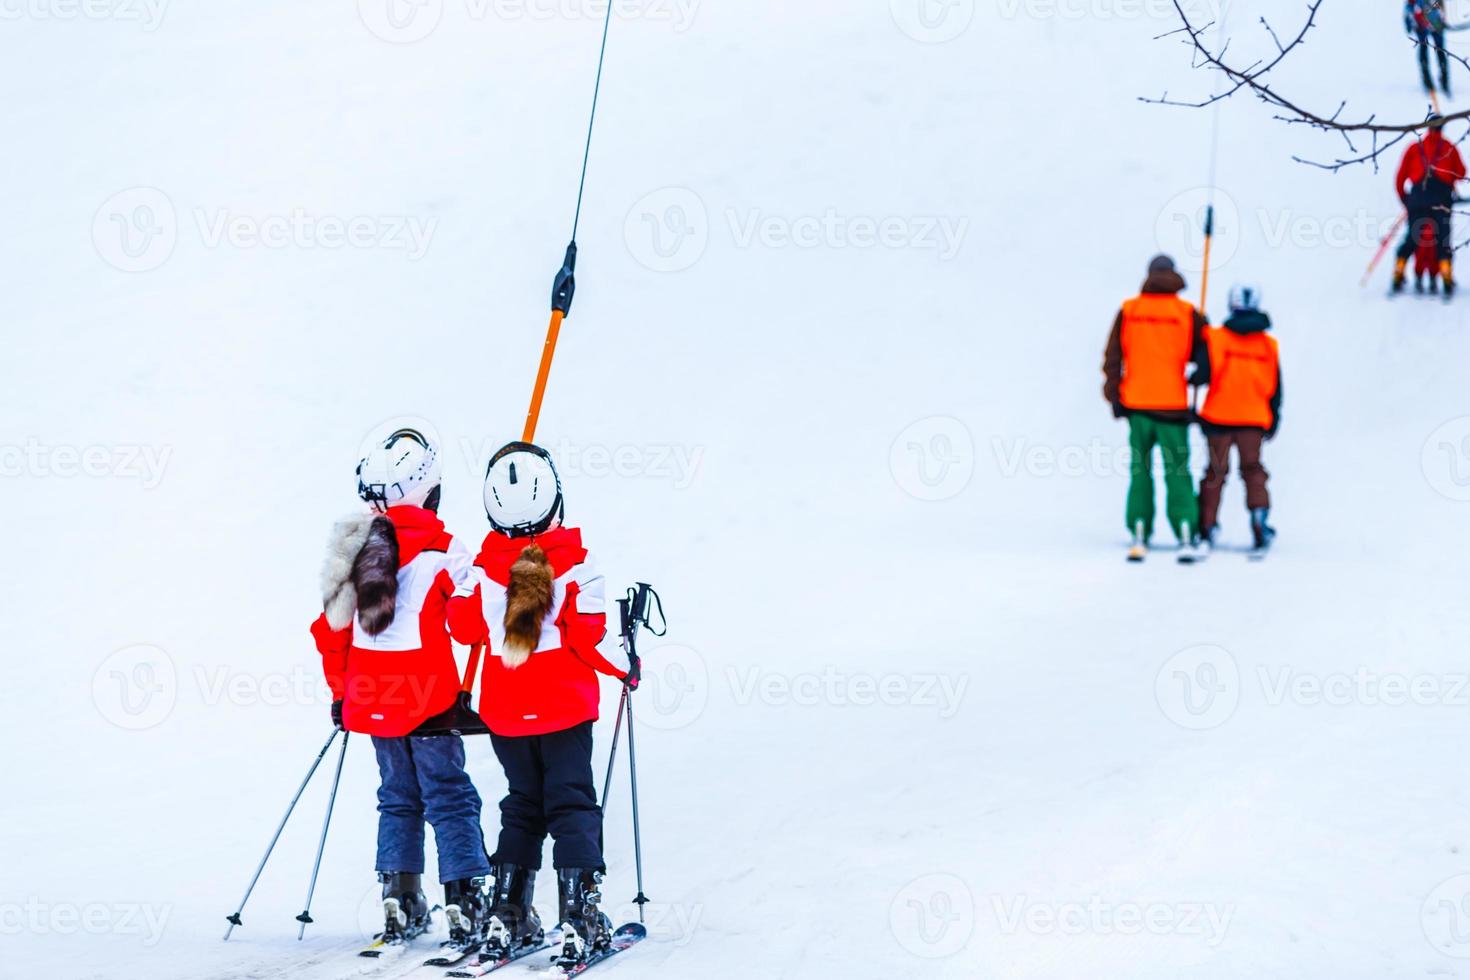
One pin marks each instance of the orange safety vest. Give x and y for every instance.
(1158, 337)
(1243, 377)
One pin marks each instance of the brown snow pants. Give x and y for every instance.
(1247, 443)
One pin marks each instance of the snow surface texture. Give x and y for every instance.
(914, 715)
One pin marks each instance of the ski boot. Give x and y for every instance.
(1447, 276)
(1261, 532)
(1138, 551)
(1400, 276)
(513, 923)
(1189, 551)
(465, 912)
(1209, 540)
(585, 930)
(405, 909)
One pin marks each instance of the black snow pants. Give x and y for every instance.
(1433, 41)
(551, 790)
(1431, 202)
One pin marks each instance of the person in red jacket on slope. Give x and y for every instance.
(536, 600)
(1425, 184)
(386, 652)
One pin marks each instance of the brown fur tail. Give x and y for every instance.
(527, 604)
(375, 576)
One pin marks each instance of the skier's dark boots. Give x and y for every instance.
(585, 930)
(1400, 276)
(466, 911)
(1261, 532)
(405, 909)
(513, 920)
(1447, 274)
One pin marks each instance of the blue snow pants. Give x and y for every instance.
(424, 779)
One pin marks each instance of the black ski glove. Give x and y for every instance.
(1119, 411)
(337, 713)
(635, 672)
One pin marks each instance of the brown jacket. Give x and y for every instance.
(1160, 283)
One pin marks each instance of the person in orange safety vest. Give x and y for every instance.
(1156, 336)
(1241, 411)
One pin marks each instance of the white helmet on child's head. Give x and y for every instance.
(403, 469)
(1245, 298)
(522, 491)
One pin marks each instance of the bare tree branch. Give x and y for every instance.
(1251, 78)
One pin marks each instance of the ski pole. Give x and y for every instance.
(1383, 248)
(613, 751)
(305, 917)
(642, 899)
(234, 918)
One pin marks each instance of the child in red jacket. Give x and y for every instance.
(1425, 182)
(387, 656)
(536, 602)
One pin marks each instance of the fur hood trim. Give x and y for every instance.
(339, 596)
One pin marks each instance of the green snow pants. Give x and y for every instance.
(1172, 438)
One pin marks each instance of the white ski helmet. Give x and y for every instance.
(522, 491)
(404, 469)
(1245, 298)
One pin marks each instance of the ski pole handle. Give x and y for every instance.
(635, 671)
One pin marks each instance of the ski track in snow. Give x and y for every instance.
(768, 393)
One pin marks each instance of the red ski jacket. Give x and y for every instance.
(391, 683)
(556, 687)
(1434, 156)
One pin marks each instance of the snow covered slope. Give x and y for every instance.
(831, 384)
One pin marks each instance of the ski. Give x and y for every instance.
(626, 937)
(378, 947)
(382, 948)
(481, 967)
(452, 956)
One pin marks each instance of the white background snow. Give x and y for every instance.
(831, 383)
